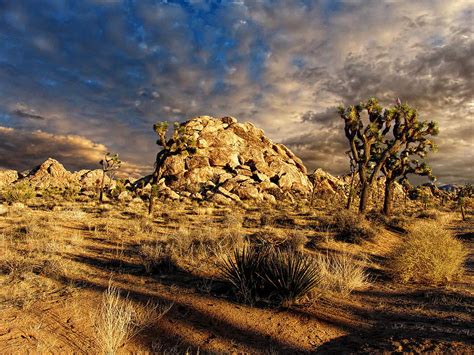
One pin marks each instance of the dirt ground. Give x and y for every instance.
(54, 312)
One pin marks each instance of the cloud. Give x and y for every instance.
(107, 70)
(32, 148)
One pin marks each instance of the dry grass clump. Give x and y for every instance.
(31, 260)
(20, 192)
(283, 276)
(187, 246)
(119, 320)
(340, 273)
(430, 254)
(430, 214)
(351, 227)
(156, 257)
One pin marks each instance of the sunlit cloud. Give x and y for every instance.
(107, 70)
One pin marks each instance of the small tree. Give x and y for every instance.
(464, 192)
(109, 164)
(181, 142)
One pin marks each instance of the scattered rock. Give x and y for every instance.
(3, 210)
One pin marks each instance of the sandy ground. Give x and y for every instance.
(40, 313)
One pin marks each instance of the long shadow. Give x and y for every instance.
(192, 318)
(374, 336)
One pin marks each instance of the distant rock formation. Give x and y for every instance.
(233, 161)
(48, 174)
(52, 173)
(8, 177)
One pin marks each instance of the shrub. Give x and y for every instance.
(289, 275)
(243, 272)
(340, 273)
(20, 192)
(351, 227)
(156, 256)
(430, 214)
(294, 242)
(429, 254)
(270, 274)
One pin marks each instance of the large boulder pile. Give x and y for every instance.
(232, 162)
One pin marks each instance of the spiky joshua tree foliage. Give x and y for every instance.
(109, 164)
(416, 143)
(378, 143)
(181, 142)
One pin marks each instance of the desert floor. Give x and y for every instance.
(58, 258)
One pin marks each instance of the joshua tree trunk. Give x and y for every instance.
(351, 192)
(101, 192)
(151, 204)
(387, 203)
(364, 198)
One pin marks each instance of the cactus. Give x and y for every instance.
(182, 141)
(109, 164)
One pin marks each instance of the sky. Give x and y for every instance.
(79, 78)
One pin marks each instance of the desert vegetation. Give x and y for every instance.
(238, 261)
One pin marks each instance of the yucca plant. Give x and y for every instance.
(289, 275)
(271, 275)
(243, 271)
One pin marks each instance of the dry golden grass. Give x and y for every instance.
(340, 273)
(429, 254)
(118, 320)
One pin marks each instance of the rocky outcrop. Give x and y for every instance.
(235, 161)
(8, 177)
(91, 179)
(50, 173)
(326, 184)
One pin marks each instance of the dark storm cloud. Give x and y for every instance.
(107, 70)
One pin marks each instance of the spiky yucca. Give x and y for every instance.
(290, 275)
(272, 275)
(243, 272)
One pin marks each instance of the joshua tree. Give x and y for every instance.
(182, 142)
(465, 191)
(414, 136)
(362, 141)
(353, 167)
(109, 164)
(373, 144)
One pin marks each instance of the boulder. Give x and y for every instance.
(8, 177)
(236, 157)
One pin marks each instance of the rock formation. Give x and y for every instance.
(52, 173)
(232, 162)
(8, 177)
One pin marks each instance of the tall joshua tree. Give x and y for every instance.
(181, 142)
(362, 141)
(402, 164)
(109, 164)
(387, 133)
